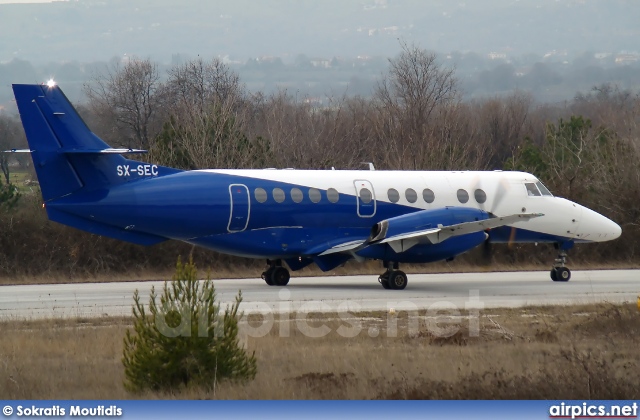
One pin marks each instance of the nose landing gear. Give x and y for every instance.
(559, 272)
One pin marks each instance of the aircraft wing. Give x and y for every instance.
(350, 246)
(402, 242)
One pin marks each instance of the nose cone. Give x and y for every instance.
(597, 228)
(616, 229)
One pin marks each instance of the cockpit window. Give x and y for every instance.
(532, 190)
(544, 190)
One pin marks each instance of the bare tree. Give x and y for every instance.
(128, 98)
(457, 141)
(503, 123)
(293, 126)
(415, 86)
(207, 119)
(306, 134)
(203, 83)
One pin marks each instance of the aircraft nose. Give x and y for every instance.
(598, 228)
(616, 229)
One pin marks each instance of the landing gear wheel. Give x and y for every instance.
(392, 278)
(280, 276)
(384, 281)
(561, 274)
(267, 276)
(397, 280)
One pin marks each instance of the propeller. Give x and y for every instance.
(487, 251)
(496, 199)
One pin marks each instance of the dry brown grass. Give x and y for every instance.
(575, 352)
(255, 268)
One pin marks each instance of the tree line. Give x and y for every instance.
(200, 115)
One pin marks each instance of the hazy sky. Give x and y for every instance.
(90, 30)
(274, 43)
(25, 1)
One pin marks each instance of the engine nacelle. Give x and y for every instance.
(423, 220)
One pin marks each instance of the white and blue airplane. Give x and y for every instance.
(297, 217)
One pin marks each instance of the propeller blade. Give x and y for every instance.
(476, 184)
(499, 195)
(487, 251)
(496, 199)
(512, 237)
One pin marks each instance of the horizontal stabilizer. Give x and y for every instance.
(109, 150)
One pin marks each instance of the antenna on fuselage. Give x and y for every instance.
(371, 167)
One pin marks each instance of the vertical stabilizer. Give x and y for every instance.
(56, 175)
(67, 156)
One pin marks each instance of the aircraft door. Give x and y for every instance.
(240, 208)
(366, 198)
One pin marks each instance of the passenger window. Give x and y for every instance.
(544, 190)
(365, 196)
(480, 196)
(532, 190)
(463, 196)
(428, 196)
(278, 195)
(332, 195)
(393, 195)
(261, 195)
(314, 195)
(296, 195)
(410, 195)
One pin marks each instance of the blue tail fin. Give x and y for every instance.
(67, 156)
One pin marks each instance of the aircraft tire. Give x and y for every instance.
(554, 274)
(280, 276)
(267, 276)
(397, 280)
(563, 274)
(385, 283)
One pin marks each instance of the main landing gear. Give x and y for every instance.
(276, 274)
(393, 278)
(559, 272)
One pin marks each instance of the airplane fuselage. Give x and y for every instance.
(287, 213)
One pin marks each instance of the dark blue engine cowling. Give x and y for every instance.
(423, 220)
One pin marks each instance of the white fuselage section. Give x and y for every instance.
(498, 192)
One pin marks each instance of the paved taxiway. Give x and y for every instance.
(352, 293)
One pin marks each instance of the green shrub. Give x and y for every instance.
(184, 341)
(9, 196)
